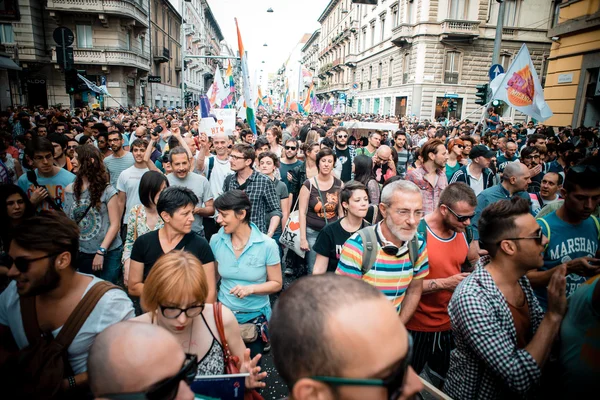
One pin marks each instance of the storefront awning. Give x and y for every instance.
(7, 63)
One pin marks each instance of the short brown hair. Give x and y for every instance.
(246, 150)
(174, 278)
(430, 146)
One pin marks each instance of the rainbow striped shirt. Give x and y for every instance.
(390, 274)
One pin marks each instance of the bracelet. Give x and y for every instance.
(99, 254)
(72, 382)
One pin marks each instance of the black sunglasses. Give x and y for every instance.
(393, 383)
(166, 389)
(342, 136)
(22, 264)
(578, 169)
(538, 238)
(460, 218)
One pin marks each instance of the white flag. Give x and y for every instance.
(520, 87)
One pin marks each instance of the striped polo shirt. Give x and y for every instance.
(390, 274)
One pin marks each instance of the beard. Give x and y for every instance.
(399, 233)
(48, 282)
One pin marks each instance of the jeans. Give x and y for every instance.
(311, 255)
(111, 268)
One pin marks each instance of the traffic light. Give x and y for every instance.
(451, 105)
(71, 81)
(350, 102)
(482, 94)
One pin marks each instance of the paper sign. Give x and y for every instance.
(208, 126)
(225, 120)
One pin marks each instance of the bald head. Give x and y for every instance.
(514, 169)
(149, 350)
(140, 130)
(384, 151)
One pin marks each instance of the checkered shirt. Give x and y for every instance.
(486, 363)
(263, 197)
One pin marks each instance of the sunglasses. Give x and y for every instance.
(290, 147)
(22, 264)
(538, 238)
(460, 146)
(342, 136)
(460, 218)
(393, 383)
(166, 389)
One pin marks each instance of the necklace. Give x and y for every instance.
(240, 247)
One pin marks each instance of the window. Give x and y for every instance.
(128, 40)
(6, 34)
(410, 12)
(382, 30)
(405, 67)
(452, 67)
(458, 9)
(364, 43)
(372, 34)
(379, 74)
(395, 16)
(510, 12)
(505, 61)
(84, 36)
(370, 75)
(390, 72)
(142, 44)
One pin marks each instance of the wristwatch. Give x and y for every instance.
(102, 250)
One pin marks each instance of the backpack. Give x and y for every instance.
(211, 165)
(38, 370)
(543, 221)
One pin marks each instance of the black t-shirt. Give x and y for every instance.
(344, 157)
(147, 249)
(330, 241)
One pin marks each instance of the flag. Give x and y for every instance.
(259, 99)
(286, 95)
(217, 94)
(246, 77)
(93, 87)
(228, 101)
(308, 100)
(520, 87)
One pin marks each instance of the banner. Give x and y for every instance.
(225, 120)
(250, 119)
(520, 87)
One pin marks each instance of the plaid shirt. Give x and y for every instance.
(486, 363)
(263, 197)
(431, 194)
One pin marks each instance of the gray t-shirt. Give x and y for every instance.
(129, 183)
(282, 193)
(94, 226)
(116, 165)
(199, 185)
(113, 307)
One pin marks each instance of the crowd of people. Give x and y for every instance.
(465, 253)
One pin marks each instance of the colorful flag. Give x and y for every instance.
(308, 100)
(250, 119)
(228, 101)
(520, 87)
(259, 99)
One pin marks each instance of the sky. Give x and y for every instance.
(281, 30)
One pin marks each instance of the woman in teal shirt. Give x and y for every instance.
(249, 265)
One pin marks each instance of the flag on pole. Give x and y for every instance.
(520, 87)
(217, 94)
(308, 100)
(259, 99)
(228, 101)
(246, 77)
(93, 87)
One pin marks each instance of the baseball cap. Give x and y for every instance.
(481, 150)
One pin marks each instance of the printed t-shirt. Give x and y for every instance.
(315, 216)
(330, 242)
(55, 185)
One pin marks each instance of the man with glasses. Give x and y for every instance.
(477, 174)
(323, 351)
(572, 232)
(447, 234)
(392, 271)
(289, 161)
(165, 372)
(345, 153)
(503, 338)
(259, 188)
(44, 277)
(71, 146)
(48, 189)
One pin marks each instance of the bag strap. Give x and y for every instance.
(369, 254)
(82, 312)
(135, 231)
(211, 165)
(218, 311)
(78, 220)
(597, 225)
(413, 250)
(322, 200)
(29, 318)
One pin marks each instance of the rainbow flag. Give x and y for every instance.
(229, 100)
(259, 99)
(250, 119)
(308, 100)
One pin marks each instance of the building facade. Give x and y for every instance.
(408, 57)
(310, 60)
(573, 81)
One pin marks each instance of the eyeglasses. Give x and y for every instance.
(460, 146)
(342, 136)
(42, 158)
(538, 238)
(532, 156)
(393, 383)
(419, 214)
(22, 264)
(237, 157)
(71, 147)
(166, 389)
(459, 218)
(175, 312)
(290, 147)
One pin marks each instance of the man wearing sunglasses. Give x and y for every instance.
(323, 350)
(447, 237)
(121, 367)
(345, 153)
(42, 255)
(573, 233)
(503, 338)
(289, 160)
(477, 174)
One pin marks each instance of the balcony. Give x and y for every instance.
(109, 56)
(402, 35)
(178, 64)
(351, 60)
(137, 10)
(336, 65)
(161, 54)
(454, 30)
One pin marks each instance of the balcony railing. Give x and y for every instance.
(451, 77)
(161, 54)
(402, 34)
(109, 56)
(136, 9)
(459, 28)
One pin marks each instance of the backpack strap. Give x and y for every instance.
(413, 249)
(211, 165)
(597, 225)
(82, 312)
(369, 254)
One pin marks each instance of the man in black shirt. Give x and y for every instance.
(344, 153)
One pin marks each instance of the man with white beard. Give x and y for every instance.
(397, 261)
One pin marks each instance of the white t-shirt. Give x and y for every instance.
(129, 183)
(476, 184)
(217, 177)
(113, 307)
